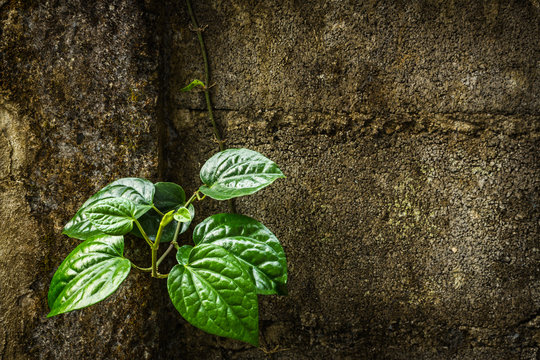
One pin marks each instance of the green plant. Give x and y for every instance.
(215, 284)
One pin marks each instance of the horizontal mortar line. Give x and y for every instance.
(379, 114)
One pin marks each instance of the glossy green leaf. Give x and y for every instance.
(79, 227)
(252, 244)
(193, 84)
(88, 275)
(139, 191)
(214, 292)
(169, 196)
(182, 215)
(114, 216)
(237, 172)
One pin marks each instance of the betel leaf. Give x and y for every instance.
(169, 196)
(252, 244)
(214, 292)
(193, 84)
(139, 191)
(114, 216)
(88, 275)
(79, 227)
(237, 172)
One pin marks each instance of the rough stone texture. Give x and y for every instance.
(408, 131)
(78, 91)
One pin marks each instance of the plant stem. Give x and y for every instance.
(158, 236)
(171, 246)
(173, 242)
(154, 258)
(206, 75)
(143, 233)
(217, 134)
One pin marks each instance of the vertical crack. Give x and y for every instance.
(164, 96)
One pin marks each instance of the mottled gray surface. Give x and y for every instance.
(409, 134)
(408, 131)
(77, 110)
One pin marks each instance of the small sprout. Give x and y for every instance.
(182, 215)
(192, 85)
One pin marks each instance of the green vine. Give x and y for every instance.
(206, 86)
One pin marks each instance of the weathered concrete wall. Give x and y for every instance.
(78, 92)
(408, 131)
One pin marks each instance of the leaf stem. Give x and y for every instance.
(141, 268)
(143, 233)
(157, 210)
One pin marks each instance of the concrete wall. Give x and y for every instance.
(408, 131)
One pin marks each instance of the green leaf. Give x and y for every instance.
(237, 172)
(252, 244)
(92, 272)
(114, 216)
(139, 191)
(182, 215)
(193, 84)
(79, 227)
(169, 196)
(213, 291)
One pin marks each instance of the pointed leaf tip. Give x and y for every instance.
(88, 275)
(237, 172)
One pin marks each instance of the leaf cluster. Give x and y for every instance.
(215, 284)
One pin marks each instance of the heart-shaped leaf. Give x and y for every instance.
(214, 292)
(114, 216)
(252, 244)
(139, 191)
(169, 196)
(237, 172)
(88, 275)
